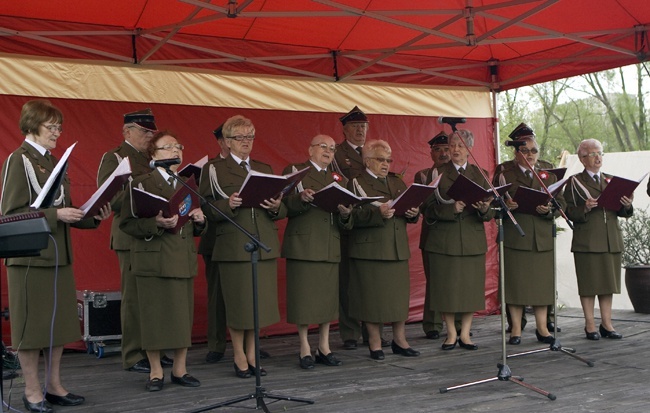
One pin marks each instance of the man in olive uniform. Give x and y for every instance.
(137, 130)
(521, 132)
(439, 146)
(349, 163)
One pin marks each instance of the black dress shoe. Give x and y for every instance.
(551, 327)
(328, 360)
(264, 354)
(609, 334)
(433, 334)
(186, 381)
(593, 335)
(67, 400)
(242, 374)
(548, 339)
(377, 354)
(451, 346)
(154, 384)
(467, 346)
(213, 357)
(350, 344)
(515, 340)
(141, 366)
(42, 406)
(166, 361)
(252, 370)
(407, 352)
(306, 362)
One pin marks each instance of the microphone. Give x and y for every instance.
(451, 121)
(165, 163)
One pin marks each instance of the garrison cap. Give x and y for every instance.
(142, 118)
(521, 131)
(218, 133)
(440, 139)
(355, 115)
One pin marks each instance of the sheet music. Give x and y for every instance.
(50, 181)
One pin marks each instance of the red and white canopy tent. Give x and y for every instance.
(293, 67)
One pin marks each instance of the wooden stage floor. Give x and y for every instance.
(618, 381)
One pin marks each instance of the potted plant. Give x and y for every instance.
(636, 259)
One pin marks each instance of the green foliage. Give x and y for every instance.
(609, 106)
(636, 236)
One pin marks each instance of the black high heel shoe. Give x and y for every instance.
(377, 354)
(242, 374)
(252, 370)
(544, 339)
(609, 334)
(467, 346)
(592, 335)
(42, 406)
(407, 352)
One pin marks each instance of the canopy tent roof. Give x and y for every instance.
(496, 44)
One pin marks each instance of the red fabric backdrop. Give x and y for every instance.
(282, 138)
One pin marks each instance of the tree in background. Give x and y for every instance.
(564, 112)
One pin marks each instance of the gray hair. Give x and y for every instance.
(466, 135)
(586, 144)
(237, 121)
(371, 147)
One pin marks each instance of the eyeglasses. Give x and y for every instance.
(324, 147)
(141, 129)
(526, 151)
(54, 128)
(382, 160)
(240, 138)
(593, 154)
(170, 147)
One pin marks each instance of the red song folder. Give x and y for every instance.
(259, 186)
(181, 203)
(617, 188)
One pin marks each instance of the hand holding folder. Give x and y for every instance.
(259, 186)
(181, 203)
(333, 195)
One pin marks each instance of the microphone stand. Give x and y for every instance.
(555, 345)
(253, 247)
(504, 373)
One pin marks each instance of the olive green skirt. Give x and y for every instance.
(457, 283)
(379, 290)
(32, 292)
(598, 273)
(312, 292)
(237, 288)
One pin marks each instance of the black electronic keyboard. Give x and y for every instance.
(23, 235)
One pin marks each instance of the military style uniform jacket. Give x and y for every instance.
(451, 233)
(155, 251)
(373, 237)
(139, 166)
(311, 234)
(348, 160)
(538, 228)
(24, 171)
(597, 230)
(221, 178)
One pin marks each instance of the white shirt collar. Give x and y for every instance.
(38, 147)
